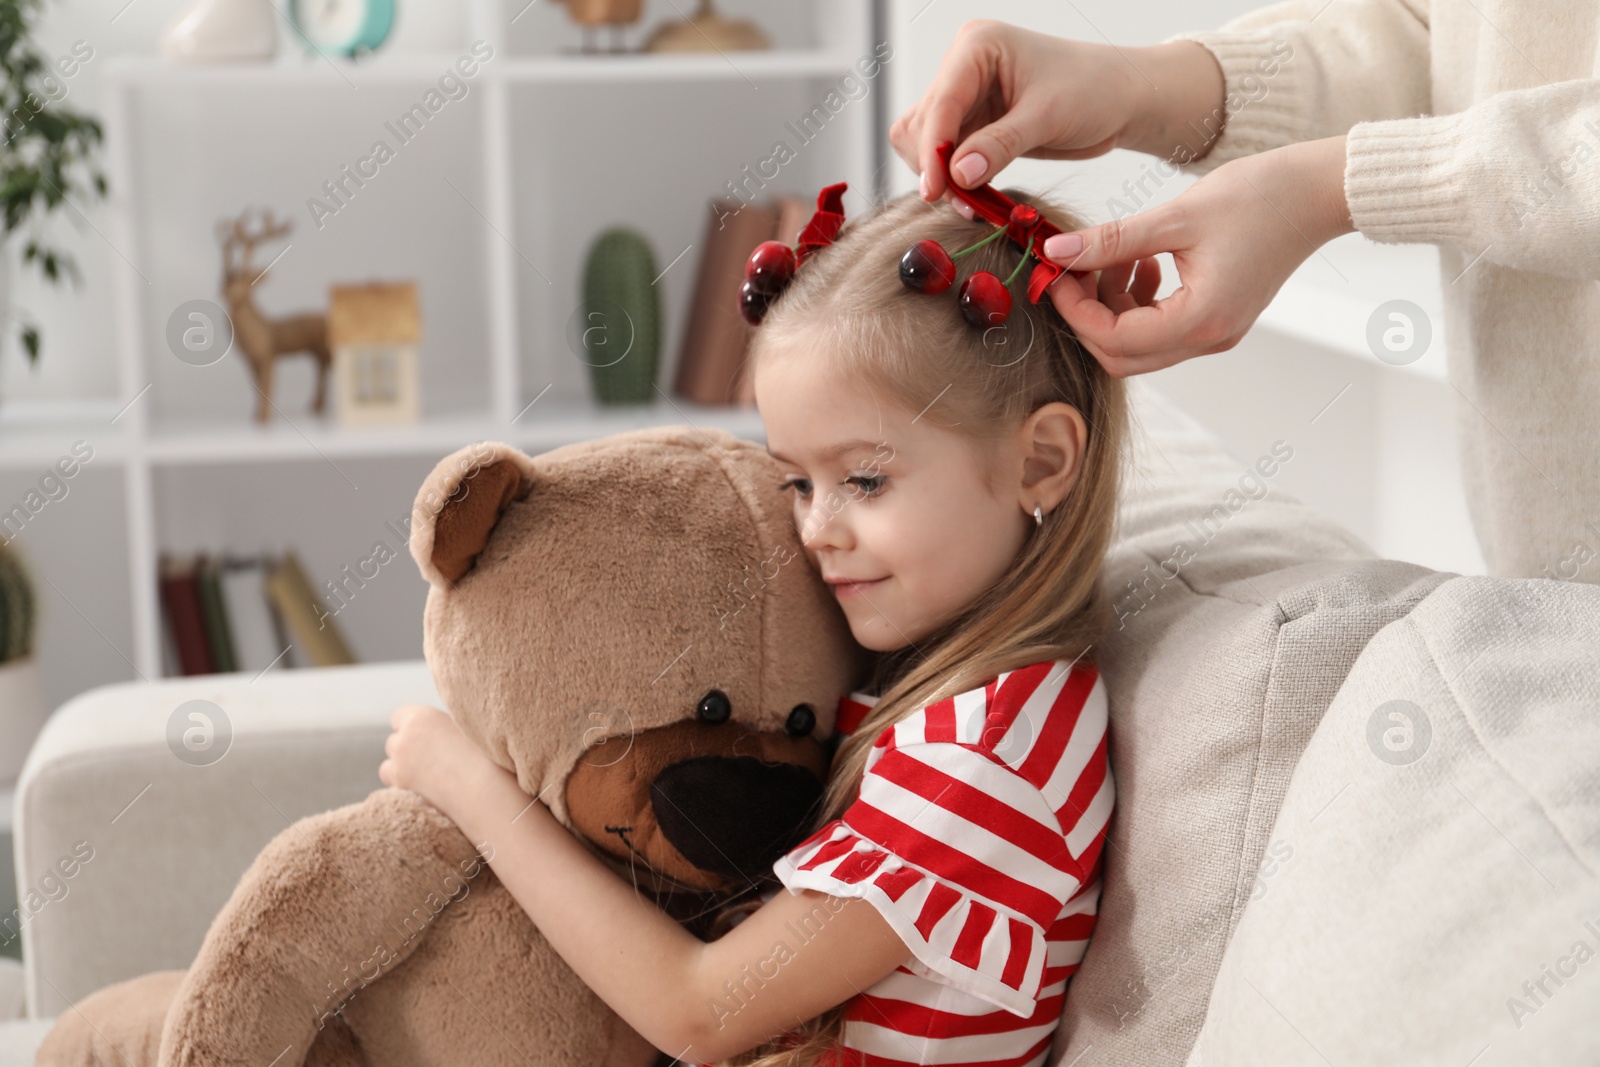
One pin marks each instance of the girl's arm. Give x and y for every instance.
(794, 958)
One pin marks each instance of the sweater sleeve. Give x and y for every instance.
(1514, 178)
(1305, 69)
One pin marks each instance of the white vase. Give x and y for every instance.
(22, 713)
(221, 31)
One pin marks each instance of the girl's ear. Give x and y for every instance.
(459, 504)
(1052, 442)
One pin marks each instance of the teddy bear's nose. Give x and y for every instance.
(733, 815)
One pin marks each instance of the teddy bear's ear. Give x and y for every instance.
(459, 504)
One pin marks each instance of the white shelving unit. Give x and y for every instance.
(491, 212)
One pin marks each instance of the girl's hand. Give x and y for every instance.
(1003, 92)
(428, 754)
(1236, 236)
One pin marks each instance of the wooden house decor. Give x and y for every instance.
(374, 330)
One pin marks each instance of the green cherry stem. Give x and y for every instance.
(1017, 269)
(996, 235)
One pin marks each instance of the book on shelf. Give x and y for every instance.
(218, 639)
(793, 214)
(311, 626)
(259, 640)
(180, 600)
(245, 613)
(715, 335)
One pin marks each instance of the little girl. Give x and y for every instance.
(956, 486)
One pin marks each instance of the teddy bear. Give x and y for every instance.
(631, 627)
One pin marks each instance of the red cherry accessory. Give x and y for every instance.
(825, 222)
(1024, 221)
(771, 267)
(753, 302)
(927, 267)
(993, 206)
(985, 300)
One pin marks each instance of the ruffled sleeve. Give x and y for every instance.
(961, 855)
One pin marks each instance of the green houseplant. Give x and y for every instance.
(22, 705)
(23, 712)
(47, 150)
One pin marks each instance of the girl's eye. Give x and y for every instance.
(869, 484)
(799, 485)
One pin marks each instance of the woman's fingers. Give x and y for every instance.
(1121, 241)
(965, 75)
(1139, 339)
(991, 148)
(954, 95)
(986, 97)
(903, 138)
(1146, 280)
(1116, 292)
(1112, 290)
(1118, 319)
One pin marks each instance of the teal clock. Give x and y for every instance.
(343, 27)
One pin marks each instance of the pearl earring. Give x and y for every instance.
(1038, 516)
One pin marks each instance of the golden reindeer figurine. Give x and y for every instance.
(263, 340)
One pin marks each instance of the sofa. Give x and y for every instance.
(1358, 801)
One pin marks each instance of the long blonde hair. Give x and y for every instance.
(909, 346)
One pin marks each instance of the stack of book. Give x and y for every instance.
(229, 613)
(711, 361)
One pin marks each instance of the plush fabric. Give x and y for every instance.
(581, 605)
(1435, 897)
(1220, 659)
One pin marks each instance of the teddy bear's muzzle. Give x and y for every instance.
(706, 804)
(733, 815)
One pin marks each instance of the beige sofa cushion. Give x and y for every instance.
(163, 839)
(1426, 876)
(1217, 677)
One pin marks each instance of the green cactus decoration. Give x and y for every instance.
(16, 607)
(621, 329)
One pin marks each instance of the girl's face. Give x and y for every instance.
(908, 522)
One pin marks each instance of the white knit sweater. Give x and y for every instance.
(1473, 125)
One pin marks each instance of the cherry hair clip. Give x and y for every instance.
(771, 266)
(926, 267)
(985, 299)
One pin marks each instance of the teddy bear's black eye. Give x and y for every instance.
(714, 707)
(802, 720)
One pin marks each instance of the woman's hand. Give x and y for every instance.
(428, 754)
(1003, 92)
(1236, 236)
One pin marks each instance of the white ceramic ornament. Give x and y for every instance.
(222, 31)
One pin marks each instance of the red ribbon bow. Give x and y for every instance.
(825, 223)
(1023, 223)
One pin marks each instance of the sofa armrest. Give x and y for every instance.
(134, 824)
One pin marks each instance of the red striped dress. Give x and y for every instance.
(977, 834)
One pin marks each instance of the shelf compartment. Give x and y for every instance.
(571, 182)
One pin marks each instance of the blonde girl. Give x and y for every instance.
(956, 487)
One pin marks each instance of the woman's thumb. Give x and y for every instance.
(1111, 243)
